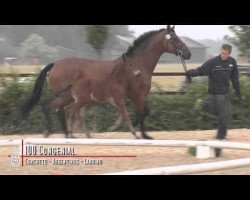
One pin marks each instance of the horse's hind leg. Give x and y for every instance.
(46, 106)
(69, 120)
(61, 116)
(58, 102)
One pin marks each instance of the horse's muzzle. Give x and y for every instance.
(186, 56)
(184, 53)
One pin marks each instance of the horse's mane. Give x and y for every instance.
(109, 76)
(136, 44)
(140, 40)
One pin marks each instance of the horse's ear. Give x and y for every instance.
(173, 27)
(168, 28)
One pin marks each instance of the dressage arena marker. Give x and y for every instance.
(205, 152)
(204, 149)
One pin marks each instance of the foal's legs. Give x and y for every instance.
(125, 115)
(59, 102)
(74, 114)
(74, 110)
(117, 124)
(83, 125)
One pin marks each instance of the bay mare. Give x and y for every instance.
(144, 53)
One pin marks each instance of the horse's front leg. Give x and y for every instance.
(125, 115)
(142, 112)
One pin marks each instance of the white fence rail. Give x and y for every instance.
(189, 169)
(130, 142)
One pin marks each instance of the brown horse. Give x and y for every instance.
(144, 53)
(111, 90)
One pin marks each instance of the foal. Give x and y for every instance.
(111, 90)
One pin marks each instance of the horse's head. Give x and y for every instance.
(173, 44)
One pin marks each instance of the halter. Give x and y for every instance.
(180, 53)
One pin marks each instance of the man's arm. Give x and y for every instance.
(235, 79)
(200, 71)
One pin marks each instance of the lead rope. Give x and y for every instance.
(188, 78)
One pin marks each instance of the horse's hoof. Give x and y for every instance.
(137, 135)
(70, 137)
(148, 137)
(86, 132)
(88, 135)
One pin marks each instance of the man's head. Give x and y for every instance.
(225, 51)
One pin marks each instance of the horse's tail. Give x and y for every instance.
(36, 93)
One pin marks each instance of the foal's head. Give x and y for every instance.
(173, 44)
(125, 70)
(133, 69)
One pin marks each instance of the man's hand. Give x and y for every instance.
(192, 73)
(188, 73)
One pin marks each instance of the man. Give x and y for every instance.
(220, 70)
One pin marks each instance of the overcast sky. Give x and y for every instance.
(197, 32)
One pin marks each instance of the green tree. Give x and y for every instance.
(35, 47)
(241, 39)
(114, 30)
(97, 35)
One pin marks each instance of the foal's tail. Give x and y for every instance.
(36, 94)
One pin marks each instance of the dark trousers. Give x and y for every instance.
(220, 106)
